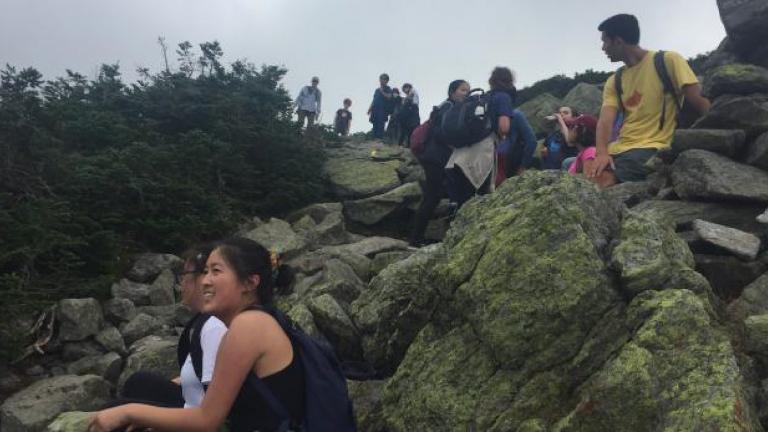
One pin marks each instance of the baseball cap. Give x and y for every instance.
(586, 120)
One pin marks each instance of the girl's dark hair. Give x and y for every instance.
(384, 77)
(197, 256)
(347, 101)
(502, 78)
(248, 258)
(585, 136)
(454, 85)
(406, 85)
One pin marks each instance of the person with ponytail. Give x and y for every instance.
(238, 286)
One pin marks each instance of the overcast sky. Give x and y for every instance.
(348, 43)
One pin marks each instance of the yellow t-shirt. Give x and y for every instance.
(642, 93)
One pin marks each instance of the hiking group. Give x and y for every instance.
(241, 360)
(474, 140)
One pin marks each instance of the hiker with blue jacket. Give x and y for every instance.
(262, 379)
(640, 103)
(381, 106)
(517, 142)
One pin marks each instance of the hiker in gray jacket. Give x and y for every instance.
(308, 103)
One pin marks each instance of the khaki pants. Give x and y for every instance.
(309, 115)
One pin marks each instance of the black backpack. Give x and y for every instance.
(685, 113)
(327, 404)
(465, 123)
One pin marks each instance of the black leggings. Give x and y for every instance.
(432, 191)
(150, 388)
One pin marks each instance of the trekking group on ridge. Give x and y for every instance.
(243, 363)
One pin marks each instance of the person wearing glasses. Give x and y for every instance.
(203, 331)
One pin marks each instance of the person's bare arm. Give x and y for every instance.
(603, 160)
(237, 355)
(692, 93)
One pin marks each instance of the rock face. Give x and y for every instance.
(757, 152)
(147, 266)
(584, 98)
(744, 22)
(137, 293)
(528, 315)
(538, 108)
(73, 421)
(277, 235)
(705, 175)
(739, 243)
(736, 79)
(747, 113)
(153, 353)
(33, 408)
(370, 211)
(79, 318)
(725, 142)
(352, 179)
(683, 213)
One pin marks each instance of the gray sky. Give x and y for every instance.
(348, 43)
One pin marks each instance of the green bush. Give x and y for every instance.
(94, 171)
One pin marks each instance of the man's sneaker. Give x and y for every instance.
(763, 218)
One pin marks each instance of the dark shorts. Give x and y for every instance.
(630, 165)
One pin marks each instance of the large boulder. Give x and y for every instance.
(277, 235)
(370, 211)
(370, 246)
(747, 113)
(651, 256)
(141, 325)
(322, 224)
(737, 79)
(154, 353)
(33, 408)
(744, 22)
(725, 142)
(334, 323)
(147, 266)
(538, 108)
(137, 293)
(394, 308)
(118, 310)
(739, 243)
(584, 98)
(532, 330)
(107, 366)
(361, 178)
(79, 318)
(683, 213)
(161, 292)
(709, 176)
(757, 152)
(312, 262)
(111, 340)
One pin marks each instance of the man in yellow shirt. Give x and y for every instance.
(649, 113)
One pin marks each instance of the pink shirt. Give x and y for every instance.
(585, 155)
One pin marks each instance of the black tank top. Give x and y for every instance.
(251, 412)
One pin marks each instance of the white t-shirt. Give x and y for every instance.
(191, 387)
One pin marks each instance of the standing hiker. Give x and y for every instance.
(308, 103)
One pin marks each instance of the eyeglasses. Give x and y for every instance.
(178, 276)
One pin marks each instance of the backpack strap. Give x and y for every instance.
(195, 346)
(619, 87)
(666, 82)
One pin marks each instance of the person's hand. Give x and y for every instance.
(602, 162)
(544, 152)
(109, 420)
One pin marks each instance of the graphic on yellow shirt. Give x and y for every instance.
(643, 96)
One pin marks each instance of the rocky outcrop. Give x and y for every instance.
(538, 108)
(584, 98)
(747, 113)
(79, 318)
(736, 79)
(728, 143)
(513, 334)
(148, 266)
(154, 353)
(709, 176)
(32, 409)
(744, 22)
